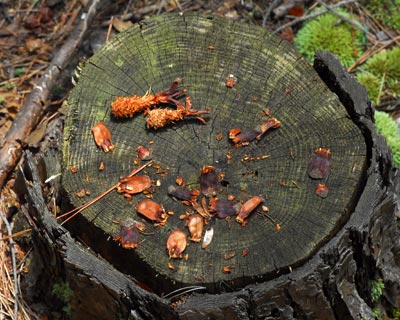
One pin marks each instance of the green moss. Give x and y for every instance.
(386, 11)
(376, 287)
(388, 128)
(328, 32)
(63, 292)
(381, 71)
(371, 83)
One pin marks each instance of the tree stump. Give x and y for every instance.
(318, 265)
(269, 75)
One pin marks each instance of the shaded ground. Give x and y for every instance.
(31, 33)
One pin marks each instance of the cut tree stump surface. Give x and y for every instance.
(203, 51)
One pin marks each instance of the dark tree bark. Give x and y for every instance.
(318, 266)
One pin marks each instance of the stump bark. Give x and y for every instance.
(319, 265)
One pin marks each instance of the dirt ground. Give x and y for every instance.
(32, 33)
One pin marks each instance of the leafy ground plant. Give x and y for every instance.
(328, 32)
(388, 128)
(376, 287)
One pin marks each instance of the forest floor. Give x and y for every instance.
(33, 31)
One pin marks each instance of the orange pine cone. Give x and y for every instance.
(126, 107)
(158, 118)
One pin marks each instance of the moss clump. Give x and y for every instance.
(388, 128)
(381, 75)
(371, 83)
(62, 291)
(386, 11)
(328, 32)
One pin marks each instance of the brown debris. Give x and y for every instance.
(144, 153)
(102, 137)
(179, 181)
(245, 252)
(133, 185)
(195, 223)
(231, 81)
(229, 255)
(209, 181)
(176, 244)
(224, 208)
(247, 208)
(152, 211)
(242, 138)
(158, 118)
(322, 191)
(320, 163)
(129, 234)
(228, 269)
(180, 193)
(80, 193)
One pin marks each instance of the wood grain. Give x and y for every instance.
(151, 55)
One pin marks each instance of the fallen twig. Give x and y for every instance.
(371, 52)
(379, 26)
(269, 10)
(181, 291)
(109, 29)
(127, 16)
(312, 15)
(13, 260)
(78, 210)
(33, 107)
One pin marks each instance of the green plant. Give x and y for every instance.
(63, 292)
(381, 75)
(19, 71)
(388, 128)
(386, 11)
(371, 83)
(9, 85)
(396, 314)
(328, 32)
(57, 90)
(376, 287)
(376, 313)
